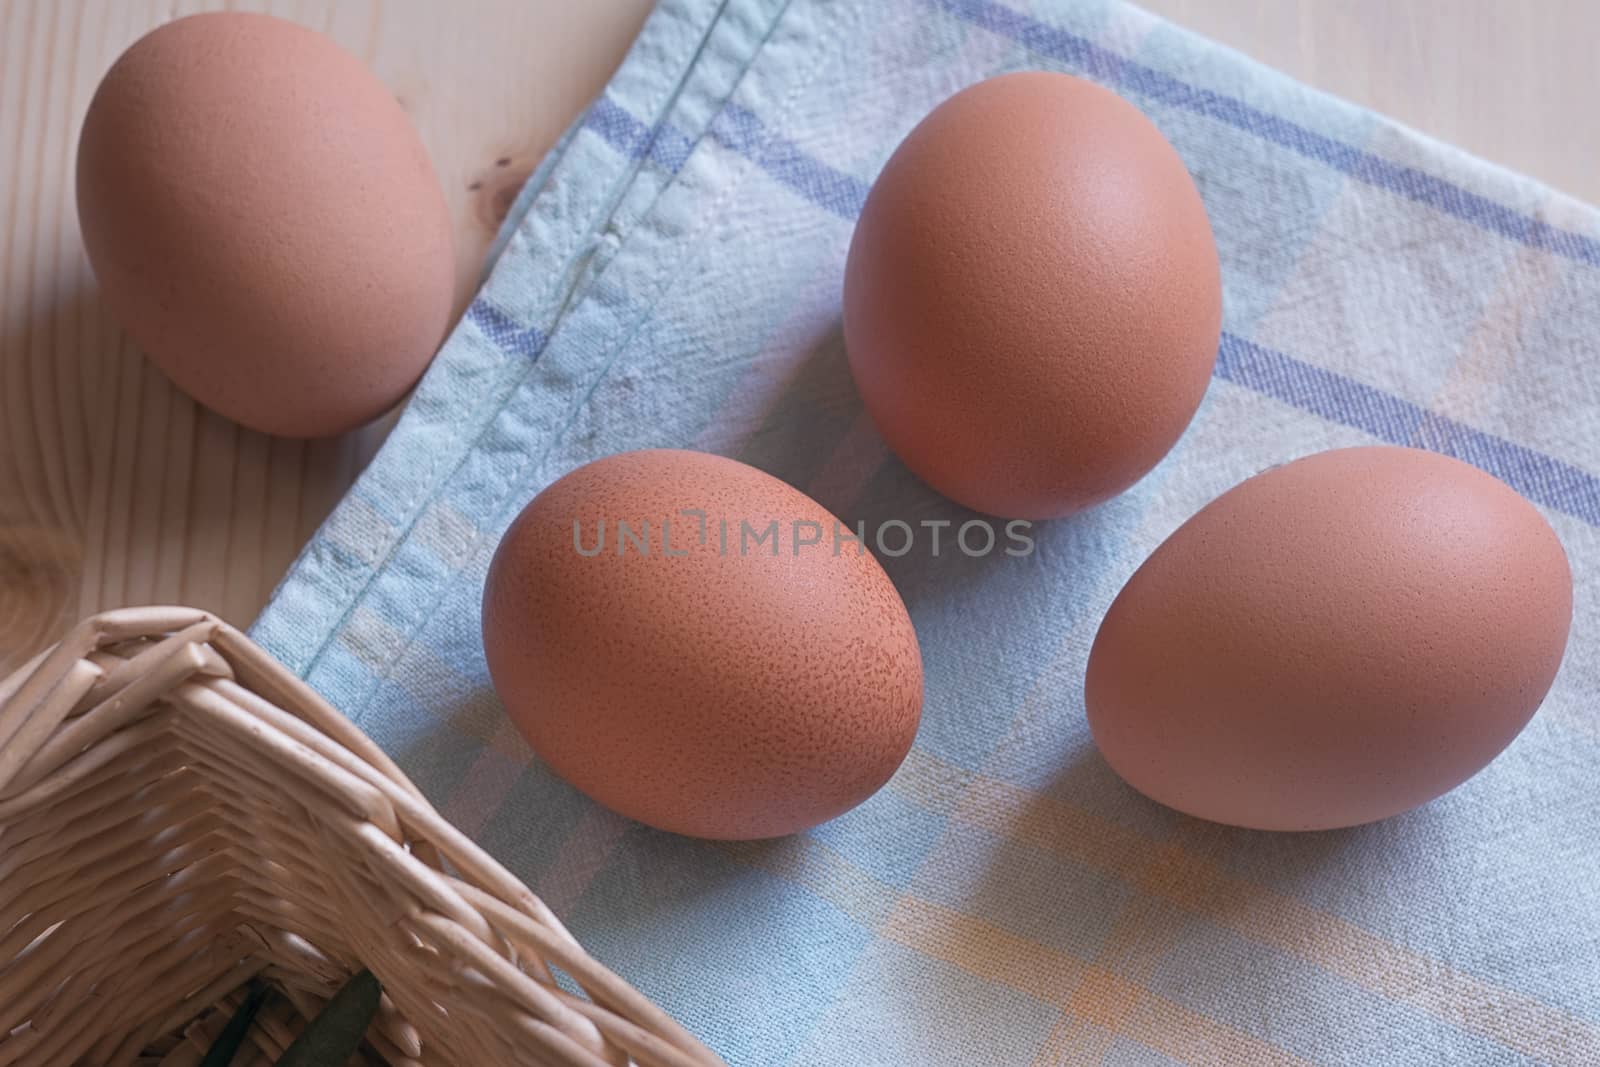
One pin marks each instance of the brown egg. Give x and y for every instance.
(684, 670)
(1333, 641)
(265, 223)
(1031, 301)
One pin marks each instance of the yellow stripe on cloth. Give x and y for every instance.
(1085, 993)
(1168, 871)
(1121, 972)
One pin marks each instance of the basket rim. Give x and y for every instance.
(69, 704)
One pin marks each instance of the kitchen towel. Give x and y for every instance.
(672, 278)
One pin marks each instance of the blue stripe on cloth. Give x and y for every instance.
(1321, 392)
(1537, 476)
(504, 331)
(1540, 477)
(665, 146)
(739, 130)
(1414, 184)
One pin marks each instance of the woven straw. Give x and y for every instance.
(179, 814)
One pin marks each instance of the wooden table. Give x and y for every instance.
(116, 489)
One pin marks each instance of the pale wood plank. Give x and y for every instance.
(115, 488)
(1515, 82)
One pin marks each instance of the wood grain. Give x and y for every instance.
(115, 489)
(1512, 82)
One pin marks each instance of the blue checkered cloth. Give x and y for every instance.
(671, 277)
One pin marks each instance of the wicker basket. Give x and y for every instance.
(178, 814)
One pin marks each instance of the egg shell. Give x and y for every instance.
(1333, 641)
(265, 223)
(738, 695)
(1032, 300)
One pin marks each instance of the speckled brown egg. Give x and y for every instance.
(690, 642)
(1032, 300)
(1334, 641)
(265, 223)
